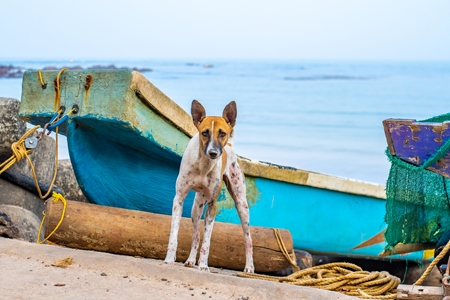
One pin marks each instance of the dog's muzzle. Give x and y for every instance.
(213, 153)
(213, 149)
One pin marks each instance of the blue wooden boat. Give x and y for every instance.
(126, 140)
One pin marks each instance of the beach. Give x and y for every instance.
(266, 131)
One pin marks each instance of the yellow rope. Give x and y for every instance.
(71, 111)
(55, 172)
(41, 79)
(57, 88)
(345, 278)
(57, 108)
(433, 264)
(285, 251)
(19, 150)
(56, 197)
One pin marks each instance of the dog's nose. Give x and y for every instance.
(213, 153)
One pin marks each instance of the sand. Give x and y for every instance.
(31, 271)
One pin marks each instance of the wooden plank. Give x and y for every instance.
(415, 142)
(395, 125)
(407, 248)
(419, 292)
(130, 232)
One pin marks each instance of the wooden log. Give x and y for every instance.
(122, 231)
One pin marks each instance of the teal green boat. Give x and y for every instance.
(126, 139)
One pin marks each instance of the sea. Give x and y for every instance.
(321, 116)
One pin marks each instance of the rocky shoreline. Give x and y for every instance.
(10, 71)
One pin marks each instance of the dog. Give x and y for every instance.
(207, 160)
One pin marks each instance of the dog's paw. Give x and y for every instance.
(169, 261)
(204, 268)
(189, 264)
(250, 269)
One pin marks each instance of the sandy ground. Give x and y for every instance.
(30, 271)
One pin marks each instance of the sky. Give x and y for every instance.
(232, 29)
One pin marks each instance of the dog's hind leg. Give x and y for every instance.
(197, 210)
(235, 182)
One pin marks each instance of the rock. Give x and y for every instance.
(23, 209)
(10, 72)
(100, 67)
(4, 70)
(13, 195)
(23, 224)
(7, 228)
(43, 159)
(67, 182)
(304, 259)
(11, 127)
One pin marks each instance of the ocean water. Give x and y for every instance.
(322, 116)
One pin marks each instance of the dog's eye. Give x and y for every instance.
(222, 134)
(205, 133)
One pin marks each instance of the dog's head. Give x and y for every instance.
(214, 132)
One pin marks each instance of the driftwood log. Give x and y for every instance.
(130, 232)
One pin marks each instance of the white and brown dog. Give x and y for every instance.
(207, 160)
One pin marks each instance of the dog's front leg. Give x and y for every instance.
(197, 209)
(235, 181)
(244, 215)
(175, 226)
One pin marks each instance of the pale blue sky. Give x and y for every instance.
(281, 29)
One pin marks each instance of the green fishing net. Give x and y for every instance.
(418, 204)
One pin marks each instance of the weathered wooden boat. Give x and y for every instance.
(126, 139)
(418, 184)
(423, 144)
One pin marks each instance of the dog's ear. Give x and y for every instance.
(198, 112)
(230, 113)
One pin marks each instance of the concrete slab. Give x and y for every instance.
(30, 271)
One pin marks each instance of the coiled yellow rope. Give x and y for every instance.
(344, 277)
(19, 150)
(56, 197)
